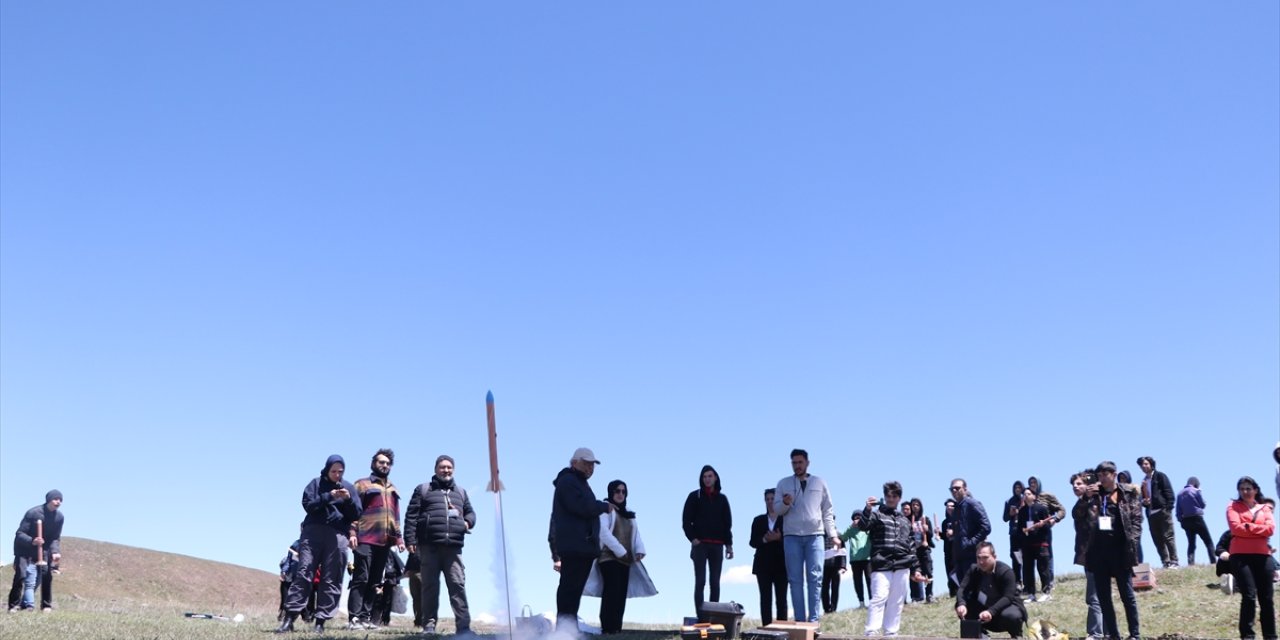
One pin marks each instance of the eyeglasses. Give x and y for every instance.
(957, 489)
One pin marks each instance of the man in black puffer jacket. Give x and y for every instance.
(438, 518)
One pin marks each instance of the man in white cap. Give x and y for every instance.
(575, 523)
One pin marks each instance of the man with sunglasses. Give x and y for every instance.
(372, 537)
(970, 529)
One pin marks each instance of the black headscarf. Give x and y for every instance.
(622, 508)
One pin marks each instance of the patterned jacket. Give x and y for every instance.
(892, 546)
(379, 525)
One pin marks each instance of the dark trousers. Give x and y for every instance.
(1195, 526)
(1009, 621)
(371, 561)
(1124, 583)
(948, 565)
(830, 586)
(614, 576)
(1036, 559)
(1161, 524)
(861, 576)
(925, 591)
(772, 585)
(415, 592)
(438, 559)
(706, 555)
(1257, 593)
(321, 546)
(574, 571)
(44, 578)
(1015, 559)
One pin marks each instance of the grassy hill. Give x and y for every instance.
(114, 591)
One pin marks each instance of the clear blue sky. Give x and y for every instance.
(919, 240)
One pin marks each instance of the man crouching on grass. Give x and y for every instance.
(989, 594)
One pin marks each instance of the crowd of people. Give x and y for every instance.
(597, 549)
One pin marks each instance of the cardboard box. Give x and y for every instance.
(1144, 577)
(796, 630)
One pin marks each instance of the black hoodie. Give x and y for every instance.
(706, 513)
(321, 507)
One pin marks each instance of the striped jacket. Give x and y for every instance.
(892, 546)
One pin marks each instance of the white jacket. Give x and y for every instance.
(639, 585)
(607, 520)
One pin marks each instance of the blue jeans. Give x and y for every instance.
(803, 555)
(1093, 620)
(29, 580)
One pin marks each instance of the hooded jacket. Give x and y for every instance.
(707, 515)
(23, 546)
(439, 513)
(323, 509)
(575, 515)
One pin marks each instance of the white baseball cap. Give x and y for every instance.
(583, 453)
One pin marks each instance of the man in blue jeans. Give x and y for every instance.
(806, 504)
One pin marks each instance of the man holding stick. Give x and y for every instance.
(36, 554)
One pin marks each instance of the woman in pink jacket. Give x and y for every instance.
(1252, 524)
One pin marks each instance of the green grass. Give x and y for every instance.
(111, 591)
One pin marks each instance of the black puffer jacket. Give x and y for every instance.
(439, 514)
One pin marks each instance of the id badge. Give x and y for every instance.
(1104, 523)
(453, 513)
(1031, 523)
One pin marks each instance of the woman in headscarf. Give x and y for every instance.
(620, 573)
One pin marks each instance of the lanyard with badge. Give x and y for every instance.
(1104, 520)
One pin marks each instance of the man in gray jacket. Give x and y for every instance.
(806, 504)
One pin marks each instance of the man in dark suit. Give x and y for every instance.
(769, 565)
(989, 594)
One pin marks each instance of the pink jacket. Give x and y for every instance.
(1251, 529)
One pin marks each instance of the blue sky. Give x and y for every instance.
(918, 240)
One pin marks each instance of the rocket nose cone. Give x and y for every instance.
(488, 397)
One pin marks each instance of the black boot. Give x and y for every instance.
(319, 626)
(286, 625)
